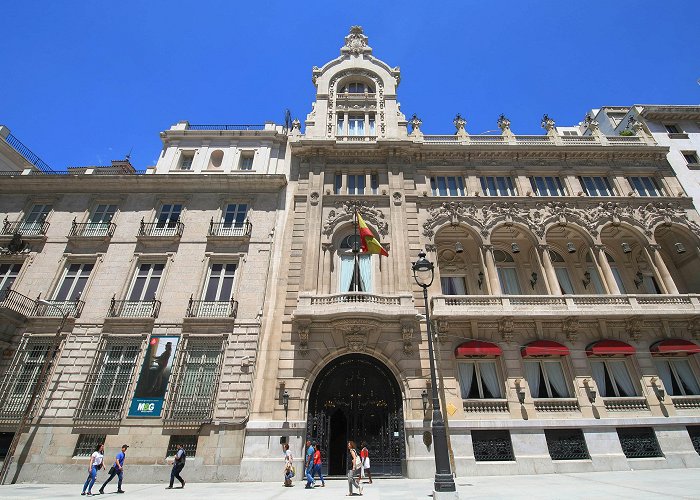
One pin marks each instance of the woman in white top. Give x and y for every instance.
(288, 465)
(95, 465)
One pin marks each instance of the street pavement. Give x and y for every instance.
(640, 484)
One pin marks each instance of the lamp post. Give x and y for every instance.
(38, 386)
(423, 273)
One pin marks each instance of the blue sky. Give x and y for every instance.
(85, 82)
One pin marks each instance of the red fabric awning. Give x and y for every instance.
(609, 348)
(477, 348)
(544, 348)
(675, 346)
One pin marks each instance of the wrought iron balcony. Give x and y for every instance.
(38, 228)
(161, 229)
(455, 306)
(14, 302)
(230, 229)
(57, 308)
(134, 308)
(92, 229)
(212, 308)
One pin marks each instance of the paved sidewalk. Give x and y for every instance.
(655, 484)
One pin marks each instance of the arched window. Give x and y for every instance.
(215, 159)
(507, 272)
(356, 88)
(355, 268)
(562, 273)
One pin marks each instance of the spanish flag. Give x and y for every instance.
(368, 242)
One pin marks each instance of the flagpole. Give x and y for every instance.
(356, 251)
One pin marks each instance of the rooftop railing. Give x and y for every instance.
(226, 127)
(27, 153)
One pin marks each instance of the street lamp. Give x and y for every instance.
(38, 386)
(424, 273)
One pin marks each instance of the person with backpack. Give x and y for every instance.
(95, 464)
(178, 465)
(318, 462)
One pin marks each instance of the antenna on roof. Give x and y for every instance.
(287, 120)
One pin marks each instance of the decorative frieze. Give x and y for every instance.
(344, 211)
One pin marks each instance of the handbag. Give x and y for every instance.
(357, 462)
(112, 470)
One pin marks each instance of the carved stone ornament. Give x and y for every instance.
(407, 337)
(356, 332)
(694, 327)
(441, 329)
(506, 328)
(570, 328)
(16, 246)
(398, 199)
(345, 212)
(633, 327)
(589, 122)
(303, 332)
(459, 123)
(415, 124)
(503, 123)
(356, 42)
(547, 123)
(296, 126)
(539, 217)
(313, 198)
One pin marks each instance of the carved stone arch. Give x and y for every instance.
(680, 227)
(453, 213)
(581, 231)
(563, 214)
(344, 212)
(668, 214)
(631, 225)
(368, 75)
(519, 223)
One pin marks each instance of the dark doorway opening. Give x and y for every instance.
(356, 397)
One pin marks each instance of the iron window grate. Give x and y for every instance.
(694, 432)
(566, 444)
(5, 441)
(639, 442)
(86, 444)
(492, 446)
(23, 375)
(189, 443)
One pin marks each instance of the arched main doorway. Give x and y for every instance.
(356, 397)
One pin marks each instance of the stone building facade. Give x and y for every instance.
(565, 302)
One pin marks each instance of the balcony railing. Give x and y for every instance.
(534, 140)
(92, 230)
(686, 402)
(637, 403)
(353, 303)
(134, 308)
(485, 405)
(553, 305)
(161, 229)
(212, 308)
(16, 302)
(57, 308)
(556, 404)
(226, 127)
(229, 229)
(38, 228)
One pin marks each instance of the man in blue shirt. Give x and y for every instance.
(309, 465)
(117, 470)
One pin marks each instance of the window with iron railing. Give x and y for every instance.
(34, 222)
(106, 393)
(192, 396)
(23, 375)
(188, 442)
(86, 444)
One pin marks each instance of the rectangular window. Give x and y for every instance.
(508, 277)
(547, 186)
(356, 125)
(356, 184)
(569, 132)
(197, 381)
(338, 184)
(107, 391)
(672, 128)
(8, 275)
(23, 375)
(646, 186)
(87, 443)
(546, 379)
(341, 126)
(103, 214)
(492, 446)
(75, 277)
(595, 281)
(453, 285)
(479, 380)
(567, 288)
(372, 130)
(246, 162)
(374, 183)
(167, 219)
(678, 377)
(618, 279)
(497, 186)
(691, 157)
(234, 215)
(186, 161)
(447, 186)
(220, 282)
(597, 186)
(355, 276)
(613, 379)
(146, 281)
(189, 444)
(34, 221)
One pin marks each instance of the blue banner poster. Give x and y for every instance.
(153, 380)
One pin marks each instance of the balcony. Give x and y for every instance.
(548, 405)
(212, 308)
(25, 229)
(134, 308)
(229, 230)
(15, 305)
(485, 405)
(686, 402)
(550, 306)
(354, 304)
(160, 230)
(92, 230)
(57, 308)
(638, 403)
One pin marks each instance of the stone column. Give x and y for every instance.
(491, 273)
(660, 267)
(548, 268)
(324, 278)
(608, 277)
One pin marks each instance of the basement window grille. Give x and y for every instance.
(694, 432)
(189, 443)
(566, 444)
(639, 442)
(5, 441)
(17, 388)
(86, 444)
(492, 446)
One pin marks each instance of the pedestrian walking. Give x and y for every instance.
(364, 455)
(354, 469)
(178, 465)
(95, 464)
(117, 469)
(288, 465)
(309, 464)
(317, 464)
